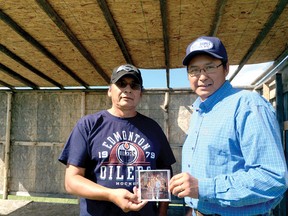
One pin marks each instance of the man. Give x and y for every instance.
(106, 149)
(232, 159)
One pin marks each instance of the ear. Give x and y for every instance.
(109, 91)
(227, 69)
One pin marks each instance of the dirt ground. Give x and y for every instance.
(25, 208)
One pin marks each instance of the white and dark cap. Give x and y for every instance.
(126, 70)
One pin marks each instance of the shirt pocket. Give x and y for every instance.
(217, 156)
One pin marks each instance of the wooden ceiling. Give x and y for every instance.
(61, 43)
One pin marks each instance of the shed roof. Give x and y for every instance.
(60, 43)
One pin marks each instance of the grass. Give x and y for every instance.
(43, 199)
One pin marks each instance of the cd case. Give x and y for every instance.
(153, 185)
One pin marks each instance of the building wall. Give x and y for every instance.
(42, 121)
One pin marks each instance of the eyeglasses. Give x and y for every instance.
(123, 84)
(196, 71)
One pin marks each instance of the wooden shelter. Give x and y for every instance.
(60, 43)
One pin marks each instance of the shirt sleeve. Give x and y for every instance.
(264, 173)
(75, 151)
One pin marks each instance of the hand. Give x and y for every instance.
(184, 184)
(126, 200)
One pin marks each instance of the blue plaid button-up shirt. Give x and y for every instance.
(234, 149)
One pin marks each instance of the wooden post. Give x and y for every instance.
(281, 208)
(83, 104)
(165, 107)
(7, 146)
(266, 91)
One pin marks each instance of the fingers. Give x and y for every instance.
(175, 182)
(134, 206)
(178, 184)
(178, 191)
(176, 177)
(184, 184)
(137, 206)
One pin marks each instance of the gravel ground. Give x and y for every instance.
(30, 208)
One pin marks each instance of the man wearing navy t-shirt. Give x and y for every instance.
(106, 149)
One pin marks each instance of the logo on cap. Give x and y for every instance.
(128, 68)
(201, 44)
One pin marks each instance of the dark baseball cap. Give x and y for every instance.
(209, 45)
(126, 70)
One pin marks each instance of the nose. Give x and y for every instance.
(203, 76)
(127, 88)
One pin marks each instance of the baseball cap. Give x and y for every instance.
(204, 44)
(126, 69)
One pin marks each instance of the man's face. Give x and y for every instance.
(125, 93)
(206, 82)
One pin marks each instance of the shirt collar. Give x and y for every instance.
(213, 99)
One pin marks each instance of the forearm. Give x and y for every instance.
(241, 189)
(163, 208)
(83, 187)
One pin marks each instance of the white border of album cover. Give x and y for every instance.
(153, 185)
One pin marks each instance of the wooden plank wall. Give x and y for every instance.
(42, 121)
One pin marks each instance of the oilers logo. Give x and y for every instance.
(127, 153)
(124, 159)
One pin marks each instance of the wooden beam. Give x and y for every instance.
(218, 17)
(266, 91)
(261, 36)
(12, 55)
(83, 104)
(4, 17)
(18, 77)
(118, 37)
(40, 144)
(6, 85)
(7, 146)
(278, 65)
(165, 30)
(49, 10)
(285, 125)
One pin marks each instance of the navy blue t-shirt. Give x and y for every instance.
(112, 149)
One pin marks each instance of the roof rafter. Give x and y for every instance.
(118, 37)
(40, 47)
(280, 63)
(261, 36)
(18, 77)
(6, 85)
(21, 61)
(218, 17)
(165, 27)
(44, 4)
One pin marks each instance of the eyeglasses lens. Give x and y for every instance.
(133, 85)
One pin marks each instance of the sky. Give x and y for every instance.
(178, 77)
(153, 78)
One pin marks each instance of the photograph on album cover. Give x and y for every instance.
(153, 185)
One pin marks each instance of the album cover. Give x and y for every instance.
(153, 185)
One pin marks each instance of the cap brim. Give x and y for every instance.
(188, 58)
(123, 74)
